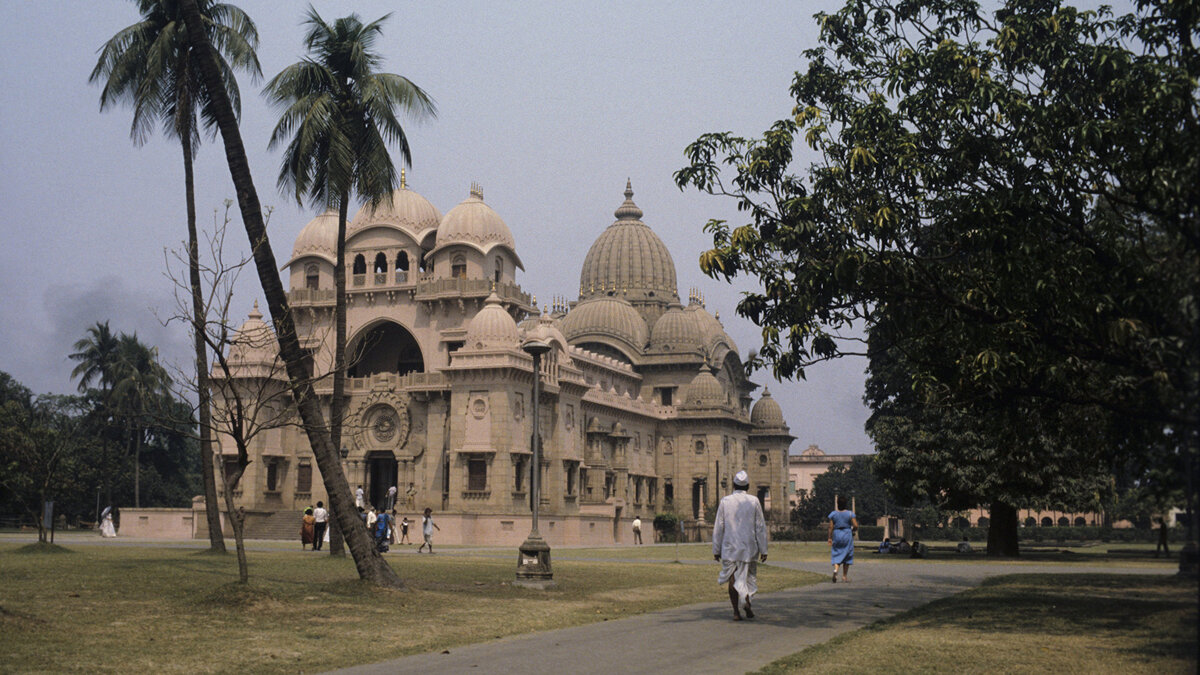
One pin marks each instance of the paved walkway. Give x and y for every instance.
(703, 638)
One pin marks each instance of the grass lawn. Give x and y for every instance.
(1036, 623)
(96, 608)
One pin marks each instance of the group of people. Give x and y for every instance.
(381, 525)
(740, 543)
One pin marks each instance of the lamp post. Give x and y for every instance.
(533, 557)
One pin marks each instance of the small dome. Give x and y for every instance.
(254, 341)
(766, 412)
(677, 331)
(711, 330)
(605, 317)
(812, 451)
(474, 222)
(705, 391)
(492, 327)
(629, 259)
(318, 238)
(408, 211)
(542, 327)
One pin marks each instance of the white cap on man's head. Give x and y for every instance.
(740, 478)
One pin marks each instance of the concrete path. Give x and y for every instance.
(704, 639)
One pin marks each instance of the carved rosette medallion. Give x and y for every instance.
(380, 421)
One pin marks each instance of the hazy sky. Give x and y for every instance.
(550, 106)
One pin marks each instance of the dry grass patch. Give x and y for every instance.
(130, 609)
(1040, 623)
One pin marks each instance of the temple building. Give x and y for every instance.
(645, 404)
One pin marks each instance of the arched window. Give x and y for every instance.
(499, 268)
(380, 269)
(359, 270)
(402, 267)
(458, 267)
(312, 277)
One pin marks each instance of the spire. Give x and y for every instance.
(403, 183)
(476, 190)
(628, 210)
(254, 313)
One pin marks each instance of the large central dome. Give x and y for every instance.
(629, 261)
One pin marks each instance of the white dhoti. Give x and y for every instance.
(745, 578)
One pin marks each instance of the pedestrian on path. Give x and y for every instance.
(637, 529)
(404, 531)
(842, 526)
(320, 522)
(740, 536)
(427, 527)
(307, 528)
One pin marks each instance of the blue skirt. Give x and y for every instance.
(843, 547)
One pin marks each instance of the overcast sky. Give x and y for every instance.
(550, 106)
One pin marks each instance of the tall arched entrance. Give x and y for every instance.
(384, 348)
(381, 474)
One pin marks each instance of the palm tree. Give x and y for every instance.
(369, 563)
(340, 114)
(150, 66)
(97, 357)
(141, 384)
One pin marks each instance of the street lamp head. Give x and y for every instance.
(535, 347)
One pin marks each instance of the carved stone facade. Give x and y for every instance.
(645, 406)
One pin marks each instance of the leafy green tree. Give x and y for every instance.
(369, 564)
(340, 114)
(150, 66)
(41, 450)
(1005, 202)
(856, 480)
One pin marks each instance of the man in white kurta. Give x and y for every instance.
(739, 538)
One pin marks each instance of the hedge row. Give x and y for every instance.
(980, 534)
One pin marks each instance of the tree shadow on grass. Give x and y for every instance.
(1152, 610)
(41, 547)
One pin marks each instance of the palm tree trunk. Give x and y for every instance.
(370, 565)
(338, 402)
(212, 510)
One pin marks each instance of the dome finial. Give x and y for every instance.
(628, 210)
(476, 190)
(403, 183)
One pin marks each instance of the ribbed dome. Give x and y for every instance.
(705, 391)
(603, 316)
(408, 211)
(629, 260)
(677, 331)
(492, 327)
(711, 331)
(766, 412)
(474, 222)
(319, 238)
(254, 341)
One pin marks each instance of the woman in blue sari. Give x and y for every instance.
(842, 526)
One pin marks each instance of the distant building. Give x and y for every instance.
(646, 406)
(806, 466)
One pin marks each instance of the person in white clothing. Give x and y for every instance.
(739, 537)
(321, 516)
(358, 497)
(637, 530)
(427, 527)
(106, 523)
